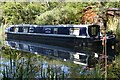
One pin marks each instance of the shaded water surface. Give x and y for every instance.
(31, 60)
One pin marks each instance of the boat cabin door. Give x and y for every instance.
(74, 31)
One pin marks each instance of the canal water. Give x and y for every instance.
(20, 59)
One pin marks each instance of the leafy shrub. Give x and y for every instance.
(118, 33)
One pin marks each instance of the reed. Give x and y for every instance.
(28, 66)
(20, 67)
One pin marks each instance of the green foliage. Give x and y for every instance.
(112, 4)
(112, 23)
(17, 13)
(42, 13)
(12, 13)
(118, 33)
(31, 11)
(114, 69)
(48, 13)
(64, 15)
(48, 17)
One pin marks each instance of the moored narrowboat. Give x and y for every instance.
(71, 36)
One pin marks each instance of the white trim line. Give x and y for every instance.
(56, 35)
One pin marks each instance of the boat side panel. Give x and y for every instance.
(53, 40)
(69, 42)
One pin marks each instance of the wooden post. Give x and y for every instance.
(105, 53)
(103, 57)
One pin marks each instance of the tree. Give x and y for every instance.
(64, 14)
(17, 13)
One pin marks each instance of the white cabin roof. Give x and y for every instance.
(62, 25)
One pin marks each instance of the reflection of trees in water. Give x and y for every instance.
(28, 65)
(19, 64)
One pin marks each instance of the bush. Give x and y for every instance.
(118, 33)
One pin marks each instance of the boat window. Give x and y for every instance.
(48, 30)
(63, 31)
(31, 29)
(25, 29)
(94, 30)
(83, 31)
(12, 29)
(74, 31)
(38, 30)
(16, 29)
(20, 29)
(71, 31)
(55, 30)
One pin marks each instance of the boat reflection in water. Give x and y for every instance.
(82, 57)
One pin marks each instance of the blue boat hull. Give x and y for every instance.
(68, 42)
